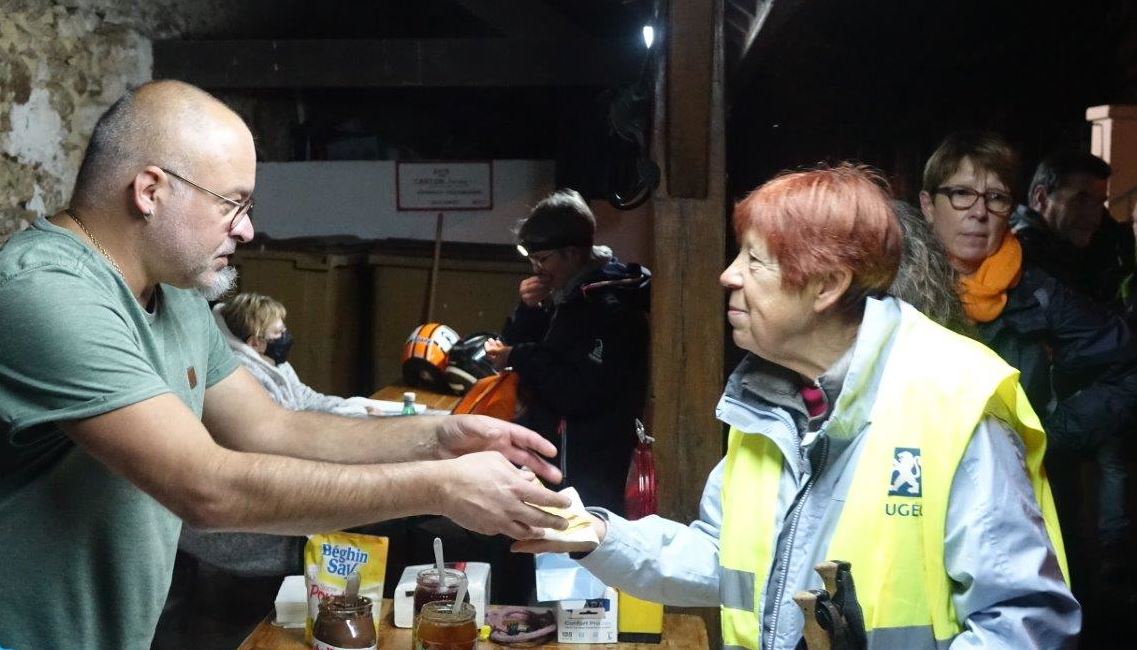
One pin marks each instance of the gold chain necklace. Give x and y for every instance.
(94, 241)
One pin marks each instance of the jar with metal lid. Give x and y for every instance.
(344, 623)
(443, 625)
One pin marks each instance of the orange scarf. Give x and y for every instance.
(984, 293)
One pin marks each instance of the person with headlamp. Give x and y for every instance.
(579, 341)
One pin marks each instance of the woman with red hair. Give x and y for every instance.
(859, 431)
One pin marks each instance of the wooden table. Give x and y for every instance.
(680, 631)
(427, 397)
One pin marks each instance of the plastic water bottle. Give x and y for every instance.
(408, 403)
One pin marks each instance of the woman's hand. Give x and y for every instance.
(599, 526)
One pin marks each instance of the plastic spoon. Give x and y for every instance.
(351, 589)
(456, 611)
(438, 562)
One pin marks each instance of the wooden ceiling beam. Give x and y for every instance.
(520, 19)
(385, 63)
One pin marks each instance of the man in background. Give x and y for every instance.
(1064, 230)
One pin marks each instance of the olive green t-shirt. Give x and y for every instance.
(85, 557)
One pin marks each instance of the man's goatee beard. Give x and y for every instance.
(220, 284)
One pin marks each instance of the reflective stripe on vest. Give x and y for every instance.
(757, 471)
(906, 465)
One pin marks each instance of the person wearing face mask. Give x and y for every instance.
(253, 325)
(124, 414)
(1076, 359)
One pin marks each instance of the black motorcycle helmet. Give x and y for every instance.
(468, 362)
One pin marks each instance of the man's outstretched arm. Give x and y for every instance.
(240, 415)
(160, 447)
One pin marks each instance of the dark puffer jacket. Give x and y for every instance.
(585, 360)
(1078, 360)
(1095, 271)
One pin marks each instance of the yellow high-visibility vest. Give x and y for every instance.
(934, 390)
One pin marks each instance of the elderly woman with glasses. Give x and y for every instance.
(862, 431)
(1076, 359)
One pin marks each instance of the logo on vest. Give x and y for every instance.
(906, 473)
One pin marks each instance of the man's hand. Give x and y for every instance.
(498, 353)
(534, 289)
(599, 526)
(485, 493)
(465, 434)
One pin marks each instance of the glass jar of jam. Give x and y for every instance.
(440, 627)
(430, 586)
(344, 623)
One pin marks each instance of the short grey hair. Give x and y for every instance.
(109, 145)
(133, 133)
(1054, 170)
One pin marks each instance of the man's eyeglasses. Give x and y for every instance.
(243, 208)
(540, 258)
(962, 198)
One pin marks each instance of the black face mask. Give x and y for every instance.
(277, 349)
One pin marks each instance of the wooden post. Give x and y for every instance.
(1113, 138)
(432, 289)
(688, 306)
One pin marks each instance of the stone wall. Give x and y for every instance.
(60, 67)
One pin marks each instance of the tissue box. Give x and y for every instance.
(477, 575)
(593, 620)
(291, 603)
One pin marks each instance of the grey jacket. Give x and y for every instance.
(282, 383)
(1009, 591)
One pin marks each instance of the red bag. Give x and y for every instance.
(495, 396)
(640, 499)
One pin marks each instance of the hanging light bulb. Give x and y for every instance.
(649, 36)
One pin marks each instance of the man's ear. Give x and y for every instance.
(1038, 199)
(926, 206)
(144, 189)
(828, 289)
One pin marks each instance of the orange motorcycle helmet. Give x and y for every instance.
(425, 355)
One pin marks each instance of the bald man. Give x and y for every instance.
(123, 413)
